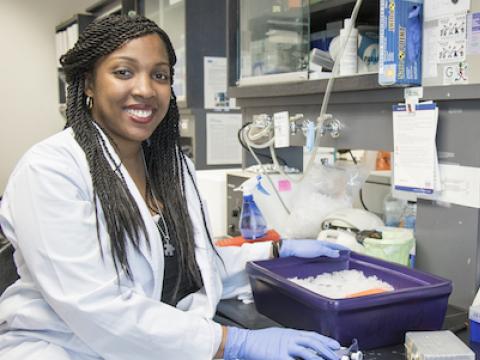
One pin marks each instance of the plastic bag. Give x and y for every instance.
(324, 190)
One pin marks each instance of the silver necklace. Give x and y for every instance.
(168, 248)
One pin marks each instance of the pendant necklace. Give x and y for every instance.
(168, 248)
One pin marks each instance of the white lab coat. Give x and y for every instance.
(68, 303)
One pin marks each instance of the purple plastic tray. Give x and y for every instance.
(419, 301)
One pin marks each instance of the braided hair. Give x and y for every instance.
(164, 159)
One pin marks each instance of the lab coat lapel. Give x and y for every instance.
(203, 250)
(154, 254)
(156, 261)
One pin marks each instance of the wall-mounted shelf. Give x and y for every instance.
(347, 89)
(306, 87)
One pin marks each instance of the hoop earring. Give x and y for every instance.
(89, 102)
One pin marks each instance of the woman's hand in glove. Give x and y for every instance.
(278, 344)
(310, 248)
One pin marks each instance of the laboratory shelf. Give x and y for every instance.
(354, 89)
(305, 87)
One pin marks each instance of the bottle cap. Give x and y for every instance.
(346, 23)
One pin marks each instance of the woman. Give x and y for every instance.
(88, 210)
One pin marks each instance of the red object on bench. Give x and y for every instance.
(271, 235)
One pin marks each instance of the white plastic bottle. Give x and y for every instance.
(348, 62)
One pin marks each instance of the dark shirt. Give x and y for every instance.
(171, 274)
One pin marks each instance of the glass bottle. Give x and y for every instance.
(409, 217)
(393, 210)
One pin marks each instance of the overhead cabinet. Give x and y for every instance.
(197, 31)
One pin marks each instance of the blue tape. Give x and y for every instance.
(310, 136)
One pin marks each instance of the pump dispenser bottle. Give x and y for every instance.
(348, 62)
(252, 223)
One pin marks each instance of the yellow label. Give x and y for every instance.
(391, 15)
(402, 40)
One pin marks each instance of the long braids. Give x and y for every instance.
(162, 156)
(164, 159)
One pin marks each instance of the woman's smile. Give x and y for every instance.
(140, 113)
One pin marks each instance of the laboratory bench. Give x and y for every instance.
(235, 313)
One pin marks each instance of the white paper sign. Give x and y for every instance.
(179, 85)
(415, 154)
(281, 129)
(437, 8)
(460, 185)
(452, 44)
(222, 142)
(454, 74)
(215, 82)
(473, 33)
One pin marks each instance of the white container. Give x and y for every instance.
(395, 245)
(348, 62)
(436, 345)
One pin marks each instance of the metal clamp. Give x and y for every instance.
(261, 121)
(329, 125)
(294, 126)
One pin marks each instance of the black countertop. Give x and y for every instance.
(236, 313)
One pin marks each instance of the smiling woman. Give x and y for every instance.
(130, 90)
(112, 243)
(122, 67)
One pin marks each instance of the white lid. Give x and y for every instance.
(346, 23)
(474, 313)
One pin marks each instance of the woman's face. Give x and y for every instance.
(130, 88)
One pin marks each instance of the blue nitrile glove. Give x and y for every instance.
(278, 344)
(414, 31)
(310, 248)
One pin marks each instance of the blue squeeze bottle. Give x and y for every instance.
(252, 222)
